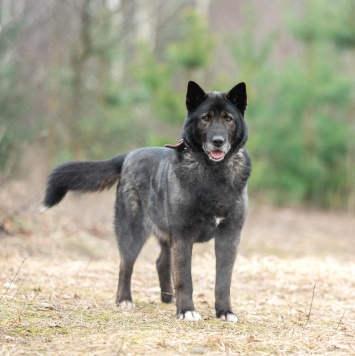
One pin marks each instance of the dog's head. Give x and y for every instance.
(215, 121)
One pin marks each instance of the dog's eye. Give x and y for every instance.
(228, 118)
(206, 118)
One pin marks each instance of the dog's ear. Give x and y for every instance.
(238, 96)
(194, 96)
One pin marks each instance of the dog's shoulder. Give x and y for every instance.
(240, 165)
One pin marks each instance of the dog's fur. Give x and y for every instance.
(184, 193)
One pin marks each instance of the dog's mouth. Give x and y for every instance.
(216, 155)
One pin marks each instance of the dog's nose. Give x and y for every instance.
(218, 141)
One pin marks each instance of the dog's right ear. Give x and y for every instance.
(194, 96)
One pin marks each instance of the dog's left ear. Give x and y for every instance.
(238, 96)
(195, 96)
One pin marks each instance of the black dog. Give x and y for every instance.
(184, 193)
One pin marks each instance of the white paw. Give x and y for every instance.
(126, 305)
(189, 316)
(229, 317)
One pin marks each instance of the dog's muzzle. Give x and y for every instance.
(216, 149)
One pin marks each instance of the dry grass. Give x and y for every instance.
(65, 307)
(60, 300)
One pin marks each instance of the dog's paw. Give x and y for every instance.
(189, 316)
(167, 297)
(227, 316)
(126, 305)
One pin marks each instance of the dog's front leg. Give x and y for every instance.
(226, 252)
(181, 253)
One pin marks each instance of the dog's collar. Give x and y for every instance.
(180, 146)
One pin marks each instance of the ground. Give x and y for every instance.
(293, 285)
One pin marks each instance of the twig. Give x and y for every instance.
(12, 281)
(310, 308)
(19, 312)
(341, 319)
(17, 291)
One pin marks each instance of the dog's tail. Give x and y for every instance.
(85, 176)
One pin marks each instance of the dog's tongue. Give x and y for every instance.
(217, 154)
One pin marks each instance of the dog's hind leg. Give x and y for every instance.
(131, 238)
(124, 296)
(164, 272)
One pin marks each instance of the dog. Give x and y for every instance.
(182, 194)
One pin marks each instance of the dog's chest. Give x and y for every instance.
(209, 203)
(218, 220)
(211, 211)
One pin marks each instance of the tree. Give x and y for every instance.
(13, 134)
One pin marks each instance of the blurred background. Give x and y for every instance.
(87, 79)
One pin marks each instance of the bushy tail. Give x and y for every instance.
(85, 176)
